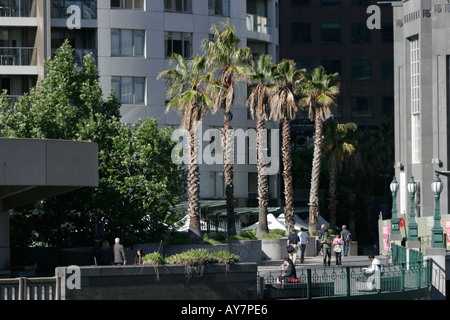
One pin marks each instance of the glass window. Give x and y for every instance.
(387, 32)
(361, 106)
(361, 69)
(127, 4)
(296, 3)
(387, 106)
(301, 32)
(129, 90)
(178, 5)
(219, 7)
(360, 3)
(127, 42)
(360, 33)
(332, 65)
(178, 42)
(331, 32)
(330, 3)
(387, 69)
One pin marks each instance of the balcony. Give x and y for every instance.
(257, 23)
(18, 8)
(18, 56)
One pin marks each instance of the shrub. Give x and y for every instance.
(274, 234)
(192, 257)
(153, 258)
(225, 257)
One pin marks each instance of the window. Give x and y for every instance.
(88, 8)
(217, 184)
(296, 3)
(415, 99)
(387, 69)
(361, 106)
(127, 42)
(178, 6)
(301, 32)
(361, 69)
(387, 106)
(129, 90)
(252, 185)
(127, 4)
(178, 42)
(332, 65)
(360, 33)
(360, 3)
(330, 3)
(330, 32)
(219, 7)
(387, 32)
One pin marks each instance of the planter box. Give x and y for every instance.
(167, 282)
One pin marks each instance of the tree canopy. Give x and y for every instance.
(138, 182)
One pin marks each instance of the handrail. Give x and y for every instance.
(349, 281)
(39, 288)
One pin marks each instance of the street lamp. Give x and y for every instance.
(437, 240)
(394, 220)
(412, 226)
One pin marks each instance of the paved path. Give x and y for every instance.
(314, 262)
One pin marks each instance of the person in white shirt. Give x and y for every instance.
(302, 235)
(375, 265)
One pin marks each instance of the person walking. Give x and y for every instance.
(119, 253)
(346, 237)
(105, 256)
(320, 234)
(337, 243)
(326, 242)
(293, 240)
(302, 235)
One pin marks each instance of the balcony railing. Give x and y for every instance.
(18, 8)
(18, 56)
(30, 289)
(257, 24)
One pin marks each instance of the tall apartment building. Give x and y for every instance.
(422, 101)
(132, 41)
(334, 34)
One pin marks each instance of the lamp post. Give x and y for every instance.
(437, 240)
(413, 234)
(395, 228)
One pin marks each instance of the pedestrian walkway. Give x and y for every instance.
(313, 262)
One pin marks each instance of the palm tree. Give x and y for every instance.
(283, 110)
(260, 76)
(337, 145)
(189, 86)
(225, 54)
(318, 93)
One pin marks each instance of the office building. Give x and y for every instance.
(131, 41)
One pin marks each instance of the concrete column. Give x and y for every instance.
(5, 258)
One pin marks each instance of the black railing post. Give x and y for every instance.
(347, 269)
(308, 284)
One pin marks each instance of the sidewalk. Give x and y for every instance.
(317, 262)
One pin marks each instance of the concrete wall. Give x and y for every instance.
(212, 282)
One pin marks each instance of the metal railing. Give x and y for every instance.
(40, 288)
(347, 281)
(18, 56)
(18, 8)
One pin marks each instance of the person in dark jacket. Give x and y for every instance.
(289, 271)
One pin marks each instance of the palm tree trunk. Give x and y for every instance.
(287, 176)
(227, 140)
(193, 188)
(315, 176)
(332, 191)
(263, 190)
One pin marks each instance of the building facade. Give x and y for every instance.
(422, 73)
(334, 34)
(131, 41)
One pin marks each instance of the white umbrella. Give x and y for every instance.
(272, 223)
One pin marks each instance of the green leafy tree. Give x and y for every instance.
(135, 191)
